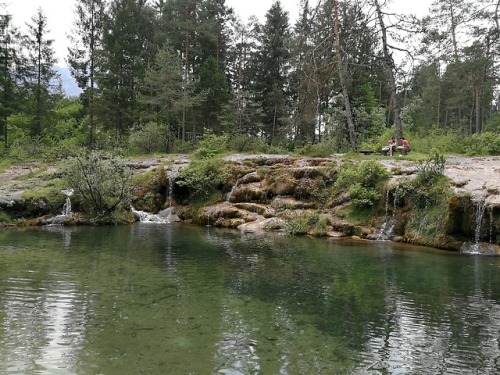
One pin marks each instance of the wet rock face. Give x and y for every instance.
(264, 192)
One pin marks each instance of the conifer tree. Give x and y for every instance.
(39, 74)
(85, 43)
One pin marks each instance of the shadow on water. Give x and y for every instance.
(160, 298)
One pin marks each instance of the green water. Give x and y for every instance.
(173, 299)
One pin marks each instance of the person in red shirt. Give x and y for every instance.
(405, 146)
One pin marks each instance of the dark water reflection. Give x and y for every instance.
(161, 299)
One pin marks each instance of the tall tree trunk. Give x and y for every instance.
(453, 32)
(390, 67)
(342, 70)
(92, 68)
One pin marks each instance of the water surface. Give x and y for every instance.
(174, 299)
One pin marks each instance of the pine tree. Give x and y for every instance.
(39, 73)
(10, 64)
(272, 72)
(85, 43)
(127, 49)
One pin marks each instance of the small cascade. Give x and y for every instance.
(66, 211)
(243, 180)
(476, 247)
(171, 181)
(491, 224)
(146, 217)
(67, 205)
(388, 225)
(480, 210)
(230, 194)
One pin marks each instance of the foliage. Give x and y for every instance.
(487, 143)
(306, 223)
(321, 149)
(363, 182)
(202, 177)
(27, 148)
(211, 145)
(150, 138)
(245, 143)
(4, 218)
(100, 180)
(428, 193)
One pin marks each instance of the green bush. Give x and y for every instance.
(244, 143)
(101, 181)
(363, 181)
(148, 139)
(487, 143)
(211, 145)
(428, 195)
(202, 177)
(306, 223)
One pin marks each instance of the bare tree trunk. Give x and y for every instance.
(391, 67)
(342, 69)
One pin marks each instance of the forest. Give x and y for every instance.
(160, 76)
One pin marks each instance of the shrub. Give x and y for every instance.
(211, 145)
(363, 182)
(306, 222)
(100, 180)
(487, 143)
(244, 143)
(150, 138)
(202, 178)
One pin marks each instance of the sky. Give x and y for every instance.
(60, 14)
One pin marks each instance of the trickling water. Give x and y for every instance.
(230, 194)
(491, 224)
(146, 217)
(475, 248)
(171, 181)
(67, 205)
(480, 209)
(388, 225)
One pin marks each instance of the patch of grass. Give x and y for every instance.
(306, 223)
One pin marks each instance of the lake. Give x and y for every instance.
(176, 299)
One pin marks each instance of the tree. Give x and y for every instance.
(85, 42)
(388, 61)
(342, 71)
(272, 64)
(10, 64)
(40, 73)
(162, 89)
(126, 51)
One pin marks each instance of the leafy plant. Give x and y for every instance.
(306, 222)
(152, 137)
(211, 145)
(202, 178)
(363, 182)
(100, 180)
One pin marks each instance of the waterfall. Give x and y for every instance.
(146, 217)
(229, 195)
(67, 205)
(480, 210)
(475, 247)
(171, 182)
(388, 225)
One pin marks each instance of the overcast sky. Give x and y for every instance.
(60, 14)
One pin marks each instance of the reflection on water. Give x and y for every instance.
(168, 299)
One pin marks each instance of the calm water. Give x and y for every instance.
(165, 299)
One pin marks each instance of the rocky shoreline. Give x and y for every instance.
(269, 189)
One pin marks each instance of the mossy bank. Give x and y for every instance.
(450, 203)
